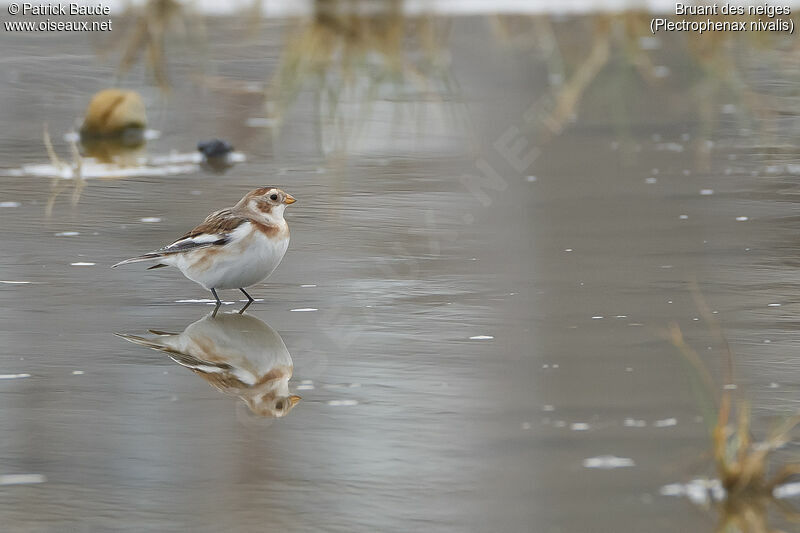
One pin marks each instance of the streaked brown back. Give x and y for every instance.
(223, 221)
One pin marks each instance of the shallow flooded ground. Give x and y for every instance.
(473, 353)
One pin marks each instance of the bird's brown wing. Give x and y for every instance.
(214, 231)
(218, 222)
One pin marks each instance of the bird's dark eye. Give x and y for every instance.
(279, 405)
(273, 197)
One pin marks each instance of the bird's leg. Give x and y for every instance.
(219, 302)
(214, 292)
(249, 298)
(249, 301)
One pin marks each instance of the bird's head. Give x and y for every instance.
(272, 406)
(267, 201)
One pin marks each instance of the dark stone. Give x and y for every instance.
(214, 148)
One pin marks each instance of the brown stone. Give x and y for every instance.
(114, 112)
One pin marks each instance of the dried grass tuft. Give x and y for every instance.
(741, 464)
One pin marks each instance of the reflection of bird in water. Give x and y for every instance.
(238, 354)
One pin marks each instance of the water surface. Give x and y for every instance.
(464, 353)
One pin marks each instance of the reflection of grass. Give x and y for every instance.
(153, 23)
(714, 71)
(59, 183)
(115, 152)
(741, 464)
(357, 52)
(570, 94)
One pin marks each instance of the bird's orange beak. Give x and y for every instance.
(293, 399)
(289, 199)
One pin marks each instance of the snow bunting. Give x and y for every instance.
(233, 248)
(237, 354)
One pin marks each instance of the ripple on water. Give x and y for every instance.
(634, 423)
(608, 462)
(93, 170)
(702, 491)
(698, 491)
(788, 490)
(14, 376)
(21, 479)
(342, 403)
(201, 301)
(666, 422)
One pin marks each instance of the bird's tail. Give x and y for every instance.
(183, 359)
(144, 342)
(145, 257)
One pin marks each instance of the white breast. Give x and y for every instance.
(249, 258)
